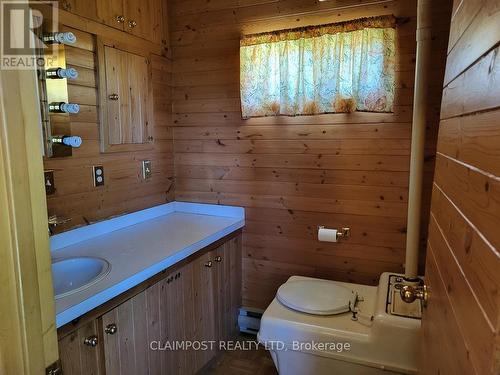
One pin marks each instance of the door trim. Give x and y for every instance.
(28, 337)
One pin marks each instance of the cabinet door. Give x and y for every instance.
(140, 334)
(227, 260)
(79, 357)
(169, 302)
(83, 8)
(111, 13)
(204, 306)
(235, 279)
(145, 19)
(126, 100)
(222, 284)
(126, 347)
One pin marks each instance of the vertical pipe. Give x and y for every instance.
(418, 136)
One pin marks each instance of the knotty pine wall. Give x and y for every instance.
(462, 322)
(295, 173)
(124, 190)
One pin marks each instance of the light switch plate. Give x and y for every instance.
(98, 175)
(146, 169)
(50, 186)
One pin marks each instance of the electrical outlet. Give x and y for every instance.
(50, 186)
(98, 173)
(146, 169)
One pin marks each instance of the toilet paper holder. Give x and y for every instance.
(341, 233)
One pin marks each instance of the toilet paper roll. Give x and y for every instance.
(327, 235)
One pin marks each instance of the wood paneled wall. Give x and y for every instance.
(295, 173)
(124, 190)
(463, 261)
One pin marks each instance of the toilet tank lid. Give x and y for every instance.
(317, 297)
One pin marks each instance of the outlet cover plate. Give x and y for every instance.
(50, 186)
(146, 169)
(98, 175)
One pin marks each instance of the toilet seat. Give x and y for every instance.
(317, 297)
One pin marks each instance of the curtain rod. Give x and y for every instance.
(314, 12)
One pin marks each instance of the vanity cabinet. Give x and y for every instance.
(156, 315)
(126, 99)
(195, 301)
(80, 352)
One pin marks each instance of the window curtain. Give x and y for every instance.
(332, 68)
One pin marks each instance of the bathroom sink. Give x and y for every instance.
(71, 275)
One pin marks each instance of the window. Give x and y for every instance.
(332, 68)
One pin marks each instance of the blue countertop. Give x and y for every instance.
(138, 246)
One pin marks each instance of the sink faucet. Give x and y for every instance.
(54, 221)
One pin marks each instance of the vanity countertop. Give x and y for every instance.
(138, 246)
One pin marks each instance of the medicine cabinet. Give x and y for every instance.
(125, 98)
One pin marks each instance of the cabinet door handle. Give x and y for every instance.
(91, 341)
(113, 97)
(111, 329)
(120, 19)
(218, 259)
(132, 24)
(208, 264)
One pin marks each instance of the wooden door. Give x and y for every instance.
(79, 357)
(461, 323)
(126, 100)
(110, 12)
(28, 340)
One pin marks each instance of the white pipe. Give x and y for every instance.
(418, 136)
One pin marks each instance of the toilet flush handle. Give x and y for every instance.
(410, 293)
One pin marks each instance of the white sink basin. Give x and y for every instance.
(71, 275)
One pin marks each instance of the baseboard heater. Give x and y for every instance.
(249, 320)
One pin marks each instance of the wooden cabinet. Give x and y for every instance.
(111, 13)
(146, 19)
(194, 302)
(84, 8)
(137, 17)
(126, 99)
(80, 351)
(152, 318)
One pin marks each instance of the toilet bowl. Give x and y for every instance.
(318, 327)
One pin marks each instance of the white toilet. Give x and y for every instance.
(324, 327)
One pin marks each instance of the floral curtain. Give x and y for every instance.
(323, 69)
